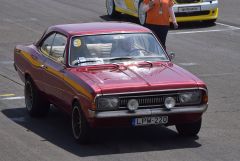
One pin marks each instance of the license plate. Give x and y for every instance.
(189, 9)
(154, 120)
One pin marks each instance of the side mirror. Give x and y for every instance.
(171, 55)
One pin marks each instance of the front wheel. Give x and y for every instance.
(189, 129)
(141, 14)
(111, 11)
(80, 126)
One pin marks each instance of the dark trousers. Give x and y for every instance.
(161, 32)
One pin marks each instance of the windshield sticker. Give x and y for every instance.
(77, 43)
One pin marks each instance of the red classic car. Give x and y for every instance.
(109, 74)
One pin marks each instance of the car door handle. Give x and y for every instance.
(43, 66)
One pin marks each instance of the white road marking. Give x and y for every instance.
(188, 64)
(229, 28)
(13, 98)
(222, 24)
(202, 31)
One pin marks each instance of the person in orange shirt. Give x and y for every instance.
(158, 13)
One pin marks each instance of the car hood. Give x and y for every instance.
(134, 77)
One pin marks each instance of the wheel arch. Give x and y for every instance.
(27, 76)
(75, 100)
(81, 106)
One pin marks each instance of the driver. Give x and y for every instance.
(123, 47)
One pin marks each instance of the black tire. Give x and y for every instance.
(141, 14)
(189, 129)
(111, 11)
(35, 104)
(80, 127)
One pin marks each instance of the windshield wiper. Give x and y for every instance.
(149, 63)
(87, 61)
(121, 58)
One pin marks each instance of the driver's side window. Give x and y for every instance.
(47, 45)
(58, 47)
(54, 47)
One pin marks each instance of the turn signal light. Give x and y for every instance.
(205, 98)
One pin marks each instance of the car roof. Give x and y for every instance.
(98, 28)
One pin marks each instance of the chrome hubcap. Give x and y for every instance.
(110, 7)
(76, 122)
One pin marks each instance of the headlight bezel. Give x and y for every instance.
(107, 103)
(190, 97)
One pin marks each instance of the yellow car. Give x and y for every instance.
(185, 10)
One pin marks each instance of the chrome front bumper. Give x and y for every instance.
(147, 112)
(205, 6)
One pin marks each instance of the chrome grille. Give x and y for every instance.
(187, 1)
(147, 101)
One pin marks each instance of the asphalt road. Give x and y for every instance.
(210, 52)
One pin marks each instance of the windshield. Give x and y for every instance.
(115, 48)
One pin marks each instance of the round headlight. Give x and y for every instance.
(169, 102)
(132, 104)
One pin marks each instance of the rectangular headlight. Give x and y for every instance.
(107, 103)
(191, 97)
